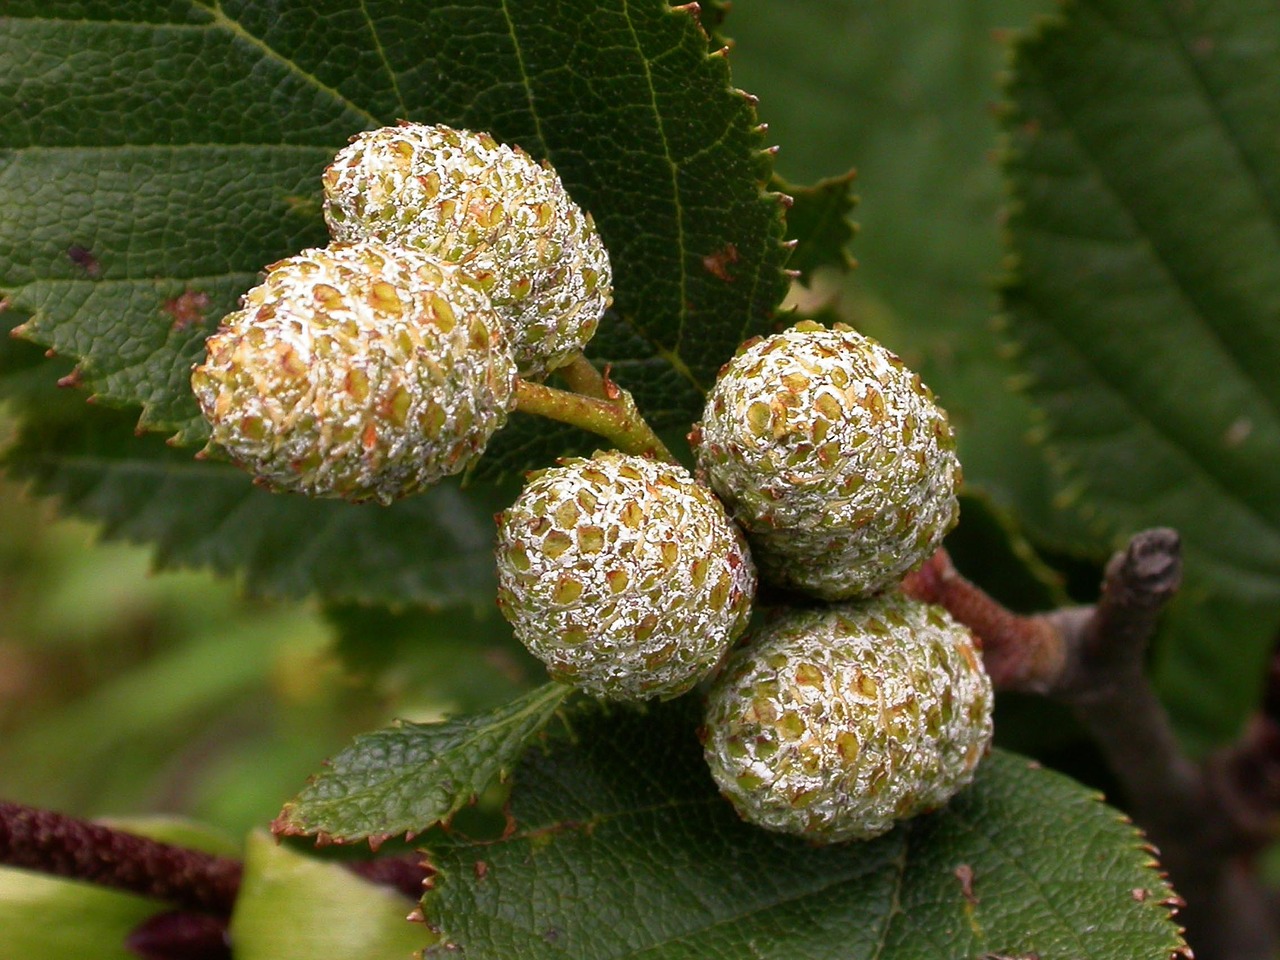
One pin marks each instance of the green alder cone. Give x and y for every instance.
(833, 456)
(467, 199)
(359, 371)
(834, 724)
(624, 575)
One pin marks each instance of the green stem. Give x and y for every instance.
(617, 420)
(582, 377)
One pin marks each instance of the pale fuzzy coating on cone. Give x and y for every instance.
(465, 198)
(833, 456)
(357, 371)
(624, 575)
(835, 724)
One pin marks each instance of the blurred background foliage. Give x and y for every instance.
(123, 692)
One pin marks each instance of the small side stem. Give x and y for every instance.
(582, 377)
(617, 420)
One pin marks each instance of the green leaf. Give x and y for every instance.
(1145, 272)
(436, 548)
(623, 848)
(294, 907)
(153, 157)
(410, 776)
(818, 222)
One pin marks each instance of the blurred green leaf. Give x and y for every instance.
(819, 223)
(623, 848)
(130, 732)
(294, 907)
(992, 551)
(411, 776)
(157, 156)
(1145, 270)
(456, 659)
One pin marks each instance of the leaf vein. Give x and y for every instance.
(236, 29)
(524, 75)
(895, 900)
(1229, 129)
(681, 241)
(382, 55)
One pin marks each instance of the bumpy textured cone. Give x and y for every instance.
(834, 724)
(833, 456)
(357, 371)
(465, 198)
(623, 575)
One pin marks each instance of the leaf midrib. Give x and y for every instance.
(236, 29)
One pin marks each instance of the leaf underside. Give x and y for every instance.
(1145, 232)
(623, 848)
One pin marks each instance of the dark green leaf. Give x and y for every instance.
(623, 848)
(154, 156)
(818, 221)
(992, 552)
(435, 549)
(1145, 234)
(411, 776)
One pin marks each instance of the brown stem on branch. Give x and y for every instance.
(1020, 653)
(406, 874)
(1203, 817)
(180, 935)
(65, 846)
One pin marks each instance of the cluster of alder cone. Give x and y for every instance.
(460, 275)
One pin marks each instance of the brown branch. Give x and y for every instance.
(203, 886)
(65, 846)
(1092, 659)
(180, 935)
